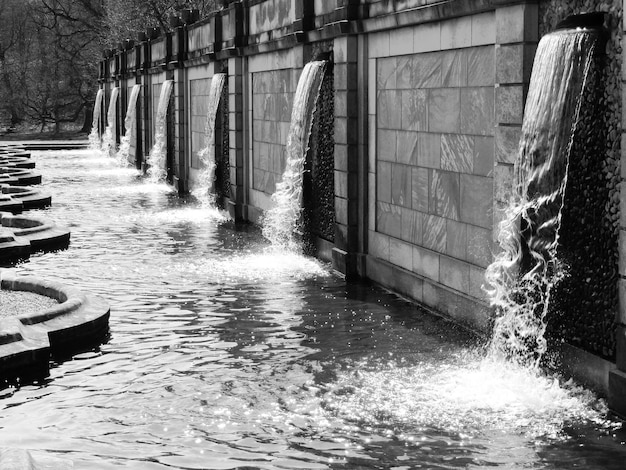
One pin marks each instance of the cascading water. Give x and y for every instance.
(523, 275)
(281, 221)
(108, 140)
(94, 135)
(157, 172)
(130, 124)
(205, 189)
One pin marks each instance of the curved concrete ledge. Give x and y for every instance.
(30, 198)
(42, 234)
(27, 342)
(19, 176)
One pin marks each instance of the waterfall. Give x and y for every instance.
(205, 190)
(281, 221)
(94, 135)
(108, 141)
(130, 124)
(526, 270)
(157, 171)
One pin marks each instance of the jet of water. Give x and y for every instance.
(108, 140)
(281, 221)
(94, 136)
(157, 172)
(130, 124)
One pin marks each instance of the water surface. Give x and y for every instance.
(225, 354)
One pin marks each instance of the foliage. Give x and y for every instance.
(50, 49)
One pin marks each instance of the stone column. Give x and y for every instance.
(517, 34)
(236, 205)
(617, 377)
(346, 80)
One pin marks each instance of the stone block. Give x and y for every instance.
(476, 200)
(457, 153)
(340, 75)
(483, 156)
(620, 347)
(378, 44)
(454, 68)
(412, 226)
(622, 206)
(386, 73)
(483, 28)
(405, 73)
(517, 23)
(503, 182)
(476, 283)
(400, 254)
(344, 49)
(510, 104)
(378, 245)
(479, 243)
(444, 110)
(389, 107)
(621, 311)
(414, 112)
(341, 210)
(456, 33)
(444, 194)
(429, 150)
(406, 149)
(426, 263)
(481, 69)
(420, 187)
(386, 145)
(507, 143)
(477, 111)
(617, 392)
(426, 70)
(400, 185)
(454, 274)
(510, 64)
(371, 86)
(383, 182)
(456, 239)
(389, 219)
(622, 259)
(434, 233)
(401, 41)
(427, 37)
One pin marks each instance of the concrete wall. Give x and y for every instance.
(428, 106)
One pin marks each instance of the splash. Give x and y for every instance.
(108, 140)
(524, 273)
(281, 221)
(94, 136)
(130, 124)
(157, 171)
(205, 190)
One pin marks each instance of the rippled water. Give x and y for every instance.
(224, 354)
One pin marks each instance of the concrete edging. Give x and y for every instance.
(28, 342)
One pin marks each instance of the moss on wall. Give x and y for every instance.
(587, 299)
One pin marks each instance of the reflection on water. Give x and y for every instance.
(226, 354)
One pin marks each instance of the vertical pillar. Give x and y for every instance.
(180, 132)
(617, 377)
(517, 34)
(237, 203)
(348, 191)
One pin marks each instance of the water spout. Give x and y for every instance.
(108, 141)
(206, 187)
(130, 124)
(95, 142)
(280, 223)
(524, 274)
(157, 171)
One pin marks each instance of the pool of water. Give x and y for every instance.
(227, 354)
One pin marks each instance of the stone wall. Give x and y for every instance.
(272, 99)
(427, 100)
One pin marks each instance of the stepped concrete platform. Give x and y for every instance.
(19, 176)
(16, 199)
(21, 235)
(27, 342)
